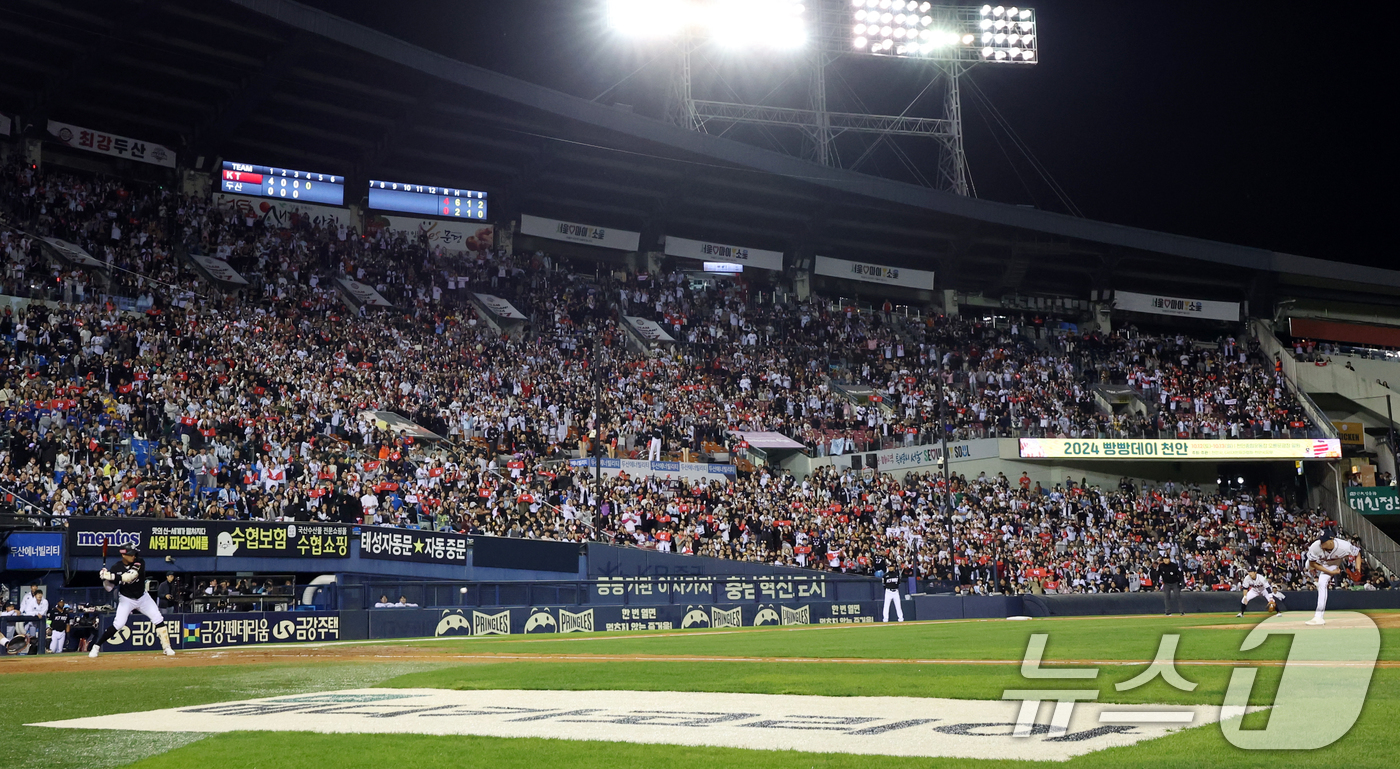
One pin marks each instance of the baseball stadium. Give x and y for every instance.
(776, 405)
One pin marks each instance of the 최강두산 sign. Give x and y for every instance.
(500, 307)
(874, 273)
(1157, 304)
(718, 252)
(105, 143)
(574, 232)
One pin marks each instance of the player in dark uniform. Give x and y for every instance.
(129, 577)
(60, 617)
(892, 578)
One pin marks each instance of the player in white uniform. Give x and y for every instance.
(1255, 584)
(1326, 556)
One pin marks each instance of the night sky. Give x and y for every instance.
(1246, 122)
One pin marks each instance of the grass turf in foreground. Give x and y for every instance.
(34, 697)
(1370, 743)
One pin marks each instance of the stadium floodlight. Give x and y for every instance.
(746, 24)
(995, 34)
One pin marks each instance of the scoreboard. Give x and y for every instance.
(270, 182)
(427, 200)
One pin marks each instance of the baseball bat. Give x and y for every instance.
(104, 553)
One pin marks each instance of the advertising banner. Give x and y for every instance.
(919, 457)
(717, 252)
(413, 545)
(281, 212)
(104, 143)
(362, 293)
(71, 252)
(246, 539)
(1139, 448)
(1156, 304)
(218, 269)
(874, 273)
(451, 234)
(1373, 500)
(573, 232)
(500, 307)
(1351, 433)
(703, 613)
(33, 550)
(206, 631)
(648, 329)
(688, 470)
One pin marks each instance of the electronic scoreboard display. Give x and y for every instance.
(427, 200)
(270, 182)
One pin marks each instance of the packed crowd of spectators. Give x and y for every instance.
(192, 403)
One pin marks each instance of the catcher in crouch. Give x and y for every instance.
(129, 577)
(1326, 556)
(1255, 584)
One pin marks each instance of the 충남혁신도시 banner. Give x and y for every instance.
(1181, 449)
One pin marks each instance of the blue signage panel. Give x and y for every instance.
(34, 550)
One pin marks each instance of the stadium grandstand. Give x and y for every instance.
(266, 266)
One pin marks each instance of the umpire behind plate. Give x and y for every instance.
(129, 577)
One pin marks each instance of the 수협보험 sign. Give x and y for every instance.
(1139, 448)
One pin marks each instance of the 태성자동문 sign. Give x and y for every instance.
(413, 545)
(874, 273)
(1157, 304)
(105, 143)
(1140, 448)
(573, 232)
(719, 252)
(1373, 500)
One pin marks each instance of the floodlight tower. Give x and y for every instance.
(952, 39)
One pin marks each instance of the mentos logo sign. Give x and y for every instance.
(116, 538)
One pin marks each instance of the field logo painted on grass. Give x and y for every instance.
(1315, 705)
(898, 726)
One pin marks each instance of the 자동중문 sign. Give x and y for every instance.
(1141, 448)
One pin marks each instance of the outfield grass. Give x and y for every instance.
(51, 696)
(1111, 638)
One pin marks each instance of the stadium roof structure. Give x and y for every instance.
(279, 83)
